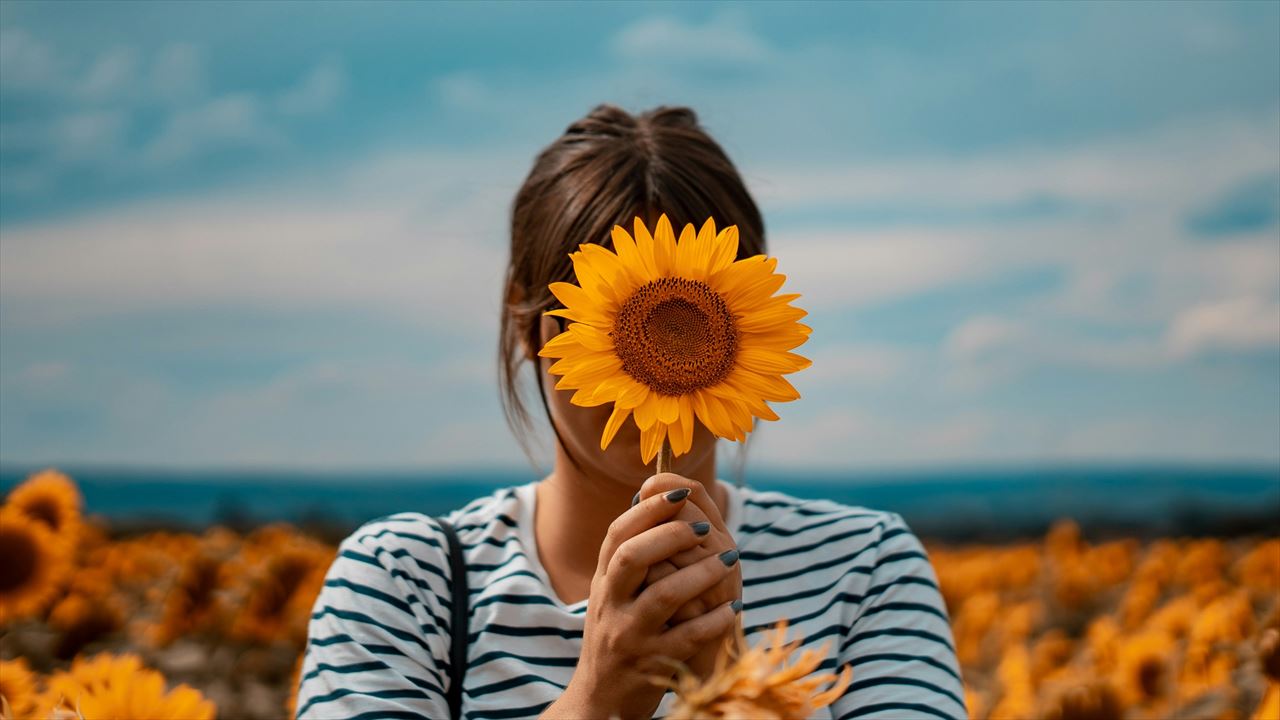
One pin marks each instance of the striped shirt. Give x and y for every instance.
(855, 579)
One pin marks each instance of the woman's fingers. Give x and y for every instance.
(684, 640)
(640, 517)
(659, 601)
(700, 496)
(631, 561)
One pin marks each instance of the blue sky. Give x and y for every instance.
(272, 234)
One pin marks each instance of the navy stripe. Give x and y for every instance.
(495, 629)
(914, 682)
(906, 606)
(510, 683)
(504, 519)
(403, 535)
(495, 581)
(768, 528)
(903, 657)
(752, 555)
(511, 599)
(362, 618)
(340, 639)
(527, 711)
(904, 632)
(807, 568)
(388, 598)
(347, 669)
(818, 591)
(382, 694)
(529, 659)
(881, 707)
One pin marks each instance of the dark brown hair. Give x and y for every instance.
(606, 169)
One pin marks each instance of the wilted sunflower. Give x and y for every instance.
(757, 683)
(51, 498)
(673, 330)
(110, 687)
(35, 564)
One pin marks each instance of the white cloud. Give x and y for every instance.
(317, 92)
(178, 73)
(413, 236)
(114, 72)
(1245, 323)
(230, 121)
(26, 63)
(725, 40)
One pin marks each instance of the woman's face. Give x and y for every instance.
(581, 428)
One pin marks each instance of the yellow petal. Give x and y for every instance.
(767, 320)
(712, 414)
(561, 345)
(619, 277)
(664, 247)
(686, 422)
(651, 441)
(675, 435)
(616, 419)
(630, 257)
(647, 412)
(591, 338)
(592, 282)
(668, 408)
(769, 361)
(724, 250)
(584, 397)
(685, 253)
(704, 248)
(593, 318)
(767, 387)
(633, 395)
(644, 244)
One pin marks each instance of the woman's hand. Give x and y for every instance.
(626, 625)
(701, 507)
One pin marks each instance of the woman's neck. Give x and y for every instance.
(573, 513)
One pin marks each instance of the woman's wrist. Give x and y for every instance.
(577, 703)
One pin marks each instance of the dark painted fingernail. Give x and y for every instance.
(677, 495)
(702, 527)
(728, 557)
(736, 605)
(635, 499)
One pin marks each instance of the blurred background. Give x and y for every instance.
(250, 267)
(1038, 243)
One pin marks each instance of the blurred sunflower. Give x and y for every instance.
(757, 683)
(19, 689)
(35, 564)
(676, 330)
(51, 498)
(110, 687)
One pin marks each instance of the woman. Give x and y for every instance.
(581, 579)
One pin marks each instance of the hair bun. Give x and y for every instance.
(671, 116)
(604, 119)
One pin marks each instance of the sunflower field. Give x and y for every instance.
(99, 625)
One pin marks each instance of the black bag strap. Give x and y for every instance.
(458, 623)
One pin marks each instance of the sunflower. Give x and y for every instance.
(757, 682)
(120, 688)
(51, 498)
(673, 330)
(19, 689)
(35, 564)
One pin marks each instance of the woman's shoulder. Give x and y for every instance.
(780, 514)
(417, 539)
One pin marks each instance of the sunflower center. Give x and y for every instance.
(19, 552)
(46, 510)
(675, 335)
